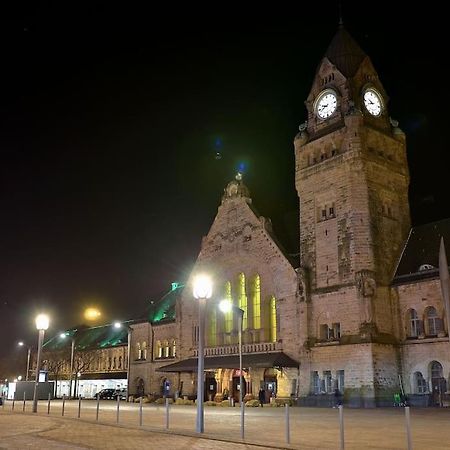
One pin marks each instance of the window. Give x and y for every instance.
(273, 319)
(159, 349)
(331, 211)
(242, 299)
(328, 381)
(256, 293)
(144, 350)
(174, 348)
(324, 331)
(340, 380)
(315, 382)
(195, 334)
(336, 330)
(420, 384)
(432, 319)
(138, 351)
(166, 349)
(413, 324)
(120, 362)
(228, 315)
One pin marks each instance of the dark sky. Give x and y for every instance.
(111, 120)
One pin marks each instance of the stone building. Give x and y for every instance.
(100, 360)
(362, 312)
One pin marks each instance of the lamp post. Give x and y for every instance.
(226, 306)
(21, 344)
(202, 292)
(72, 355)
(129, 329)
(42, 322)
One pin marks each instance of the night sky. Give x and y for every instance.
(110, 128)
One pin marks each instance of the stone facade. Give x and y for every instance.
(342, 314)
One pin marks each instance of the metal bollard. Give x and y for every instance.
(48, 405)
(288, 434)
(167, 413)
(63, 404)
(341, 426)
(24, 401)
(408, 427)
(79, 406)
(140, 411)
(12, 406)
(118, 408)
(98, 407)
(242, 419)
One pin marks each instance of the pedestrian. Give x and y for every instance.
(337, 398)
(262, 396)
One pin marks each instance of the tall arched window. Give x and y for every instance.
(242, 299)
(212, 335)
(144, 350)
(166, 349)
(174, 348)
(433, 322)
(138, 351)
(256, 302)
(413, 323)
(228, 315)
(420, 384)
(273, 319)
(159, 351)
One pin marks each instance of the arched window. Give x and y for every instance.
(433, 321)
(413, 323)
(256, 302)
(159, 352)
(273, 319)
(174, 348)
(228, 315)
(166, 349)
(242, 299)
(144, 350)
(138, 351)
(436, 369)
(420, 384)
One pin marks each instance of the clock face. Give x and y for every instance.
(372, 102)
(326, 104)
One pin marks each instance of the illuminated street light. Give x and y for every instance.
(227, 306)
(202, 292)
(42, 322)
(117, 325)
(22, 344)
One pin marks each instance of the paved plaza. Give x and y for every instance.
(310, 428)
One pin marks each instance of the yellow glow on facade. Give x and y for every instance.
(256, 302)
(228, 315)
(243, 299)
(273, 319)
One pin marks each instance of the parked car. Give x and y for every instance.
(106, 394)
(122, 393)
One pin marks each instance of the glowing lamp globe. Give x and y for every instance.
(92, 314)
(202, 287)
(225, 306)
(42, 322)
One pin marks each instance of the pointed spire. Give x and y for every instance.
(344, 52)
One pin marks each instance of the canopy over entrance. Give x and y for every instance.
(256, 360)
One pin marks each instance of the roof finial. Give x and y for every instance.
(341, 20)
(238, 176)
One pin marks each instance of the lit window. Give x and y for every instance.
(256, 302)
(273, 319)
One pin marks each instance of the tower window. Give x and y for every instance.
(331, 211)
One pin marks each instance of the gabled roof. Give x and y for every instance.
(163, 310)
(89, 338)
(420, 257)
(345, 53)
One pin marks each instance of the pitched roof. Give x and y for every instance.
(164, 309)
(345, 53)
(420, 257)
(89, 338)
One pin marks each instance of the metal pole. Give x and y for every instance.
(341, 426)
(24, 400)
(118, 403)
(12, 406)
(63, 404)
(38, 367)
(72, 353)
(129, 362)
(140, 411)
(288, 435)
(79, 406)
(48, 405)
(98, 407)
(241, 381)
(28, 363)
(167, 413)
(200, 425)
(408, 428)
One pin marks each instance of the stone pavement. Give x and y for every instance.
(316, 428)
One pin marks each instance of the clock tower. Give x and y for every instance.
(352, 181)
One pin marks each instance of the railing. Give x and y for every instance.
(262, 347)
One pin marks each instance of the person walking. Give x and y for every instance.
(262, 396)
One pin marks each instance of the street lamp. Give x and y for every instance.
(226, 306)
(72, 355)
(118, 325)
(22, 344)
(42, 322)
(202, 292)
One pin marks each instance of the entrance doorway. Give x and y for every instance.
(210, 386)
(438, 384)
(270, 384)
(237, 385)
